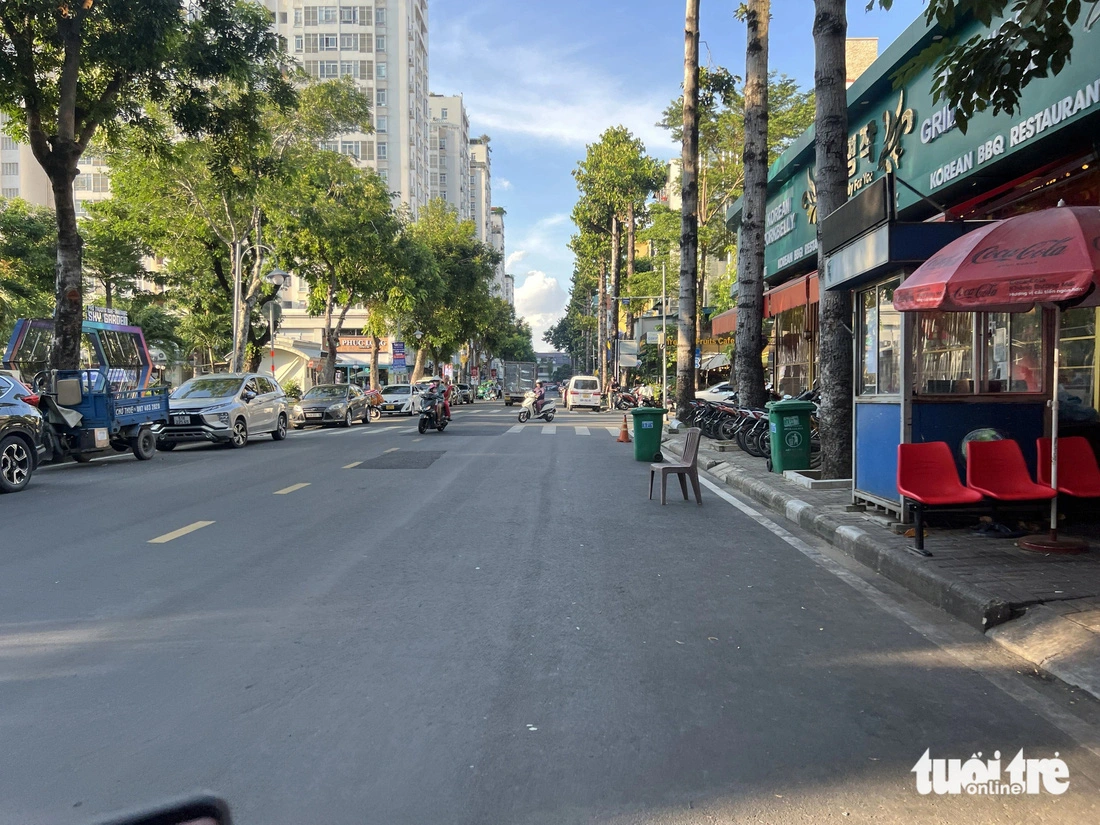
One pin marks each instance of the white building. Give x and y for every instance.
(449, 153)
(481, 190)
(496, 241)
(384, 47)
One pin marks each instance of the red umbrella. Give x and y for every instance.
(1051, 256)
(1047, 257)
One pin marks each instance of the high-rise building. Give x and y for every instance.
(384, 48)
(496, 241)
(481, 190)
(449, 153)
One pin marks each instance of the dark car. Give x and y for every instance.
(20, 435)
(342, 404)
(465, 393)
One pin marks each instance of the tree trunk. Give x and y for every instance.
(689, 219)
(630, 230)
(750, 251)
(374, 347)
(835, 341)
(616, 277)
(601, 329)
(68, 312)
(107, 294)
(418, 364)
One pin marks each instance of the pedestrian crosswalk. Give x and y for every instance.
(552, 429)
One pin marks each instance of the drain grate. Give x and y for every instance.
(403, 460)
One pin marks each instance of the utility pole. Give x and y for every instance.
(664, 339)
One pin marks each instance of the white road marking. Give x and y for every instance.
(517, 428)
(292, 488)
(581, 430)
(612, 430)
(549, 429)
(391, 450)
(353, 464)
(183, 531)
(969, 657)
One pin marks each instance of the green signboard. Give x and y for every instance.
(902, 131)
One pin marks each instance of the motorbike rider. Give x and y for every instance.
(448, 388)
(540, 396)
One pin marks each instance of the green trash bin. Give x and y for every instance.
(648, 422)
(789, 428)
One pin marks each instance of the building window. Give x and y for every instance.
(312, 43)
(350, 148)
(366, 70)
(10, 192)
(297, 17)
(329, 69)
(349, 14)
(382, 124)
(7, 142)
(1013, 349)
(326, 14)
(384, 174)
(365, 43)
(443, 114)
(442, 178)
(282, 17)
(330, 146)
(311, 15)
(379, 17)
(383, 151)
(9, 169)
(1080, 347)
(329, 43)
(299, 43)
(880, 328)
(380, 97)
(349, 42)
(793, 350)
(443, 144)
(366, 147)
(349, 68)
(381, 71)
(434, 179)
(380, 43)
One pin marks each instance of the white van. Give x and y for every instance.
(582, 391)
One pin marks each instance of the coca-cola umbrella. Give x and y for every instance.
(1050, 257)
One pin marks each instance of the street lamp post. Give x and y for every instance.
(278, 278)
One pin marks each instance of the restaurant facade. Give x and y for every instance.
(915, 183)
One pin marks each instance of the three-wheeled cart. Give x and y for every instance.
(84, 416)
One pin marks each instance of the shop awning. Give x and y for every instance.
(724, 322)
(796, 293)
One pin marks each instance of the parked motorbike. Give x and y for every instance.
(623, 400)
(431, 412)
(527, 411)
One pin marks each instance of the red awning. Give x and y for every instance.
(1049, 256)
(796, 293)
(724, 322)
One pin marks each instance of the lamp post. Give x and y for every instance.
(278, 278)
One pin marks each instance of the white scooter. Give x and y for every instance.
(527, 412)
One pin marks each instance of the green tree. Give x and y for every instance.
(68, 69)
(338, 229)
(28, 240)
(113, 249)
(1033, 39)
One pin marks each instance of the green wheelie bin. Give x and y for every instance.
(648, 422)
(789, 428)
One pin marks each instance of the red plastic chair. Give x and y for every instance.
(927, 476)
(1078, 471)
(996, 469)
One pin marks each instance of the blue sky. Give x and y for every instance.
(544, 78)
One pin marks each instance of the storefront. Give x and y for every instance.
(914, 179)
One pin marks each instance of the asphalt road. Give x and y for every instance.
(488, 625)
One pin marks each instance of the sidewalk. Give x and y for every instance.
(1045, 609)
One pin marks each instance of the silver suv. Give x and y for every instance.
(225, 408)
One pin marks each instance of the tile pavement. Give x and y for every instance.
(1044, 608)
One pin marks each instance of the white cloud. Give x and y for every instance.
(541, 301)
(548, 92)
(514, 259)
(504, 183)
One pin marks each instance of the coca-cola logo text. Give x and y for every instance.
(975, 293)
(1049, 248)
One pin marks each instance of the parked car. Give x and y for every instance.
(341, 404)
(465, 393)
(397, 398)
(20, 435)
(225, 408)
(583, 391)
(717, 392)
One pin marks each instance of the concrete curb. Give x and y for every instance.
(972, 604)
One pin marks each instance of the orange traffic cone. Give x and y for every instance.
(624, 434)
